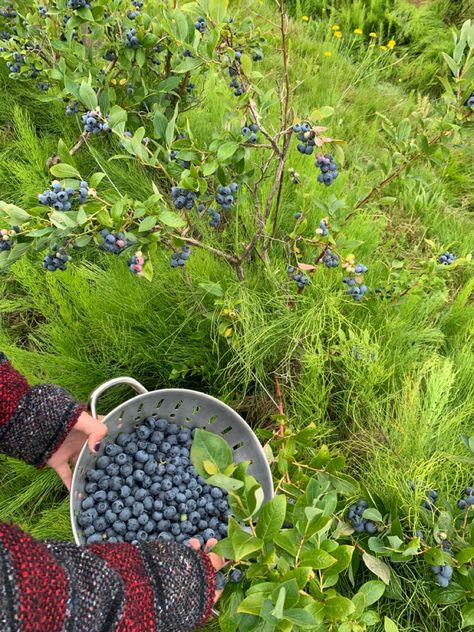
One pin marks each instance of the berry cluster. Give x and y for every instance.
(43, 11)
(249, 132)
(468, 500)
(323, 229)
(429, 503)
(300, 279)
(328, 168)
(55, 260)
(15, 65)
(61, 199)
(72, 108)
(42, 85)
(78, 4)
(8, 12)
(470, 101)
(178, 259)
(330, 259)
(200, 25)
(113, 243)
(144, 487)
(447, 258)
(136, 262)
(183, 198)
(215, 218)
(306, 136)
(94, 123)
(257, 55)
(443, 574)
(131, 39)
(355, 517)
(239, 88)
(5, 242)
(225, 196)
(357, 287)
(131, 15)
(187, 53)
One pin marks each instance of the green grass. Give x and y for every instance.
(396, 413)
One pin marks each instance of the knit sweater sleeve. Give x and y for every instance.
(60, 587)
(34, 420)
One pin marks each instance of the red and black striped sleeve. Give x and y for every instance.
(34, 420)
(60, 587)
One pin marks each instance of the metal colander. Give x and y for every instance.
(185, 407)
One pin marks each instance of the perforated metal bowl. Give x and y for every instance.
(185, 407)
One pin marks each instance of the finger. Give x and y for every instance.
(217, 561)
(64, 472)
(194, 543)
(217, 595)
(93, 428)
(209, 544)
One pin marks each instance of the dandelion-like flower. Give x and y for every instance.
(337, 34)
(327, 53)
(336, 27)
(384, 48)
(358, 31)
(372, 34)
(391, 44)
(305, 18)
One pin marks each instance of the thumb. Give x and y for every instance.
(93, 428)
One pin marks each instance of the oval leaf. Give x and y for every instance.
(271, 518)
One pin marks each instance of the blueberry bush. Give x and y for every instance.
(292, 232)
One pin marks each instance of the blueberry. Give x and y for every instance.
(95, 538)
(88, 502)
(90, 488)
(121, 459)
(125, 514)
(165, 536)
(100, 524)
(216, 493)
(103, 461)
(88, 531)
(142, 519)
(131, 448)
(137, 509)
(208, 534)
(104, 483)
(442, 581)
(163, 525)
(112, 449)
(123, 439)
(117, 506)
(236, 576)
(132, 524)
(220, 581)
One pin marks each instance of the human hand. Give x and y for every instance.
(217, 561)
(86, 428)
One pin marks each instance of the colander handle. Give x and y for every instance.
(139, 388)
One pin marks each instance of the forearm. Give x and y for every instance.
(34, 421)
(56, 586)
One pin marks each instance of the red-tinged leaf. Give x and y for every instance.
(306, 266)
(319, 141)
(317, 128)
(326, 139)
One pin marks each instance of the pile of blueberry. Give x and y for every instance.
(323, 229)
(55, 260)
(72, 108)
(429, 503)
(5, 242)
(15, 65)
(330, 259)
(200, 24)
(443, 574)
(299, 278)
(61, 198)
(225, 196)
(215, 218)
(136, 262)
(144, 487)
(178, 259)
(470, 101)
(249, 132)
(78, 4)
(357, 287)
(355, 517)
(328, 168)
(183, 198)
(93, 122)
(43, 11)
(131, 39)
(468, 500)
(306, 136)
(113, 243)
(447, 258)
(8, 12)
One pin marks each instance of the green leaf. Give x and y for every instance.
(208, 446)
(169, 218)
(292, 594)
(271, 518)
(317, 559)
(252, 604)
(372, 591)
(188, 65)
(467, 614)
(465, 555)
(244, 544)
(217, 9)
(15, 214)
(146, 224)
(338, 608)
(209, 168)
(169, 134)
(288, 540)
(117, 115)
(223, 481)
(88, 96)
(300, 617)
(343, 555)
(452, 594)
(63, 170)
(160, 123)
(209, 467)
(212, 288)
(389, 625)
(377, 567)
(226, 150)
(372, 514)
(96, 179)
(277, 611)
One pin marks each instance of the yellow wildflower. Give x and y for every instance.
(371, 45)
(336, 27)
(123, 82)
(384, 48)
(327, 53)
(305, 18)
(391, 44)
(372, 34)
(337, 34)
(358, 31)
